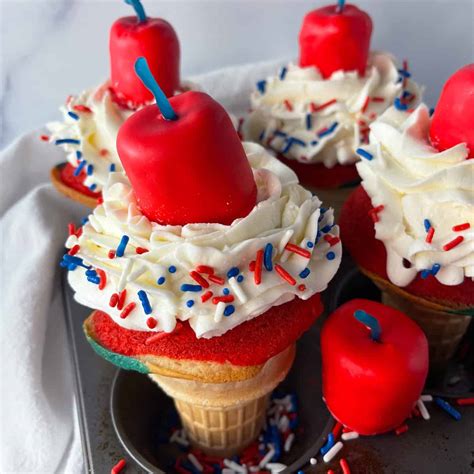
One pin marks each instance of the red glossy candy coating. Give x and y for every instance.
(154, 39)
(193, 169)
(333, 40)
(371, 387)
(453, 119)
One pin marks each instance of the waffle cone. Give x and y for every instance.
(222, 419)
(444, 330)
(333, 197)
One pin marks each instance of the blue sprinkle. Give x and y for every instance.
(425, 274)
(297, 141)
(267, 257)
(92, 187)
(63, 264)
(190, 303)
(226, 291)
(329, 444)
(91, 272)
(95, 280)
(327, 228)
(330, 255)
(240, 278)
(73, 115)
(261, 136)
(427, 225)
(279, 133)
(71, 266)
(305, 273)
(172, 269)
(435, 269)
(161, 280)
(74, 260)
(261, 85)
(329, 130)
(229, 309)
(309, 121)
(78, 154)
(90, 169)
(78, 170)
(398, 104)
(233, 272)
(447, 408)
(432, 111)
(143, 297)
(322, 210)
(121, 246)
(364, 154)
(72, 141)
(314, 142)
(283, 72)
(84, 220)
(290, 141)
(188, 287)
(404, 73)
(112, 167)
(309, 244)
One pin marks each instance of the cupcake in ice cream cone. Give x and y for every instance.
(203, 264)
(315, 114)
(410, 225)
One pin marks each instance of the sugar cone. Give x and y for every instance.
(334, 197)
(443, 329)
(222, 419)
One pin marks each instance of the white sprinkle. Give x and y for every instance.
(195, 462)
(267, 457)
(424, 412)
(137, 273)
(283, 423)
(179, 437)
(275, 466)
(219, 311)
(329, 456)
(124, 275)
(254, 469)
(228, 471)
(349, 435)
(313, 461)
(426, 398)
(237, 289)
(289, 442)
(236, 467)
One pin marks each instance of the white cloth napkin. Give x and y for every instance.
(38, 426)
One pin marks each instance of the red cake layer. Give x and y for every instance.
(76, 182)
(250, 343)
(317, 175)
(358, 236)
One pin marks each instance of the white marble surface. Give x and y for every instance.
(50, 48)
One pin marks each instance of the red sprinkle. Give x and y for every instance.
(284, 274)
(257, 275)
(377, 99)
(288, 105)
(315, 108)
(454, 243)
(366, 104)
(344, 466)
(79, 232)
(331, 239)
(223, 299)
(373, 213)
(103, 278)
(118, 467)
(429, 235)
(336, 431)
(114, 300)
(111, 254)
(151, 322)
(216, 279)
(401, 429)
(465, 401)
(82, 108)
(330, 471)
(74, 250)
(298, 250)
(122, 297)
(205, 269)
(252, 266)
(206, 296)
(128, 309)
(100, 200)
(141, 250)
(199, 279)
(44, 138)
(301, 287)
(460, 227)
(71, 229)
(103, 152)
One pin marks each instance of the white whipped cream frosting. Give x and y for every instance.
(420, 187)
(94, 132)
(285, 108)
(285, 213)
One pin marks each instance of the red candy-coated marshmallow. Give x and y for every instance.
(334, 38)
(188, 170)
(371, 386)
(154, 39)
(453, 119)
